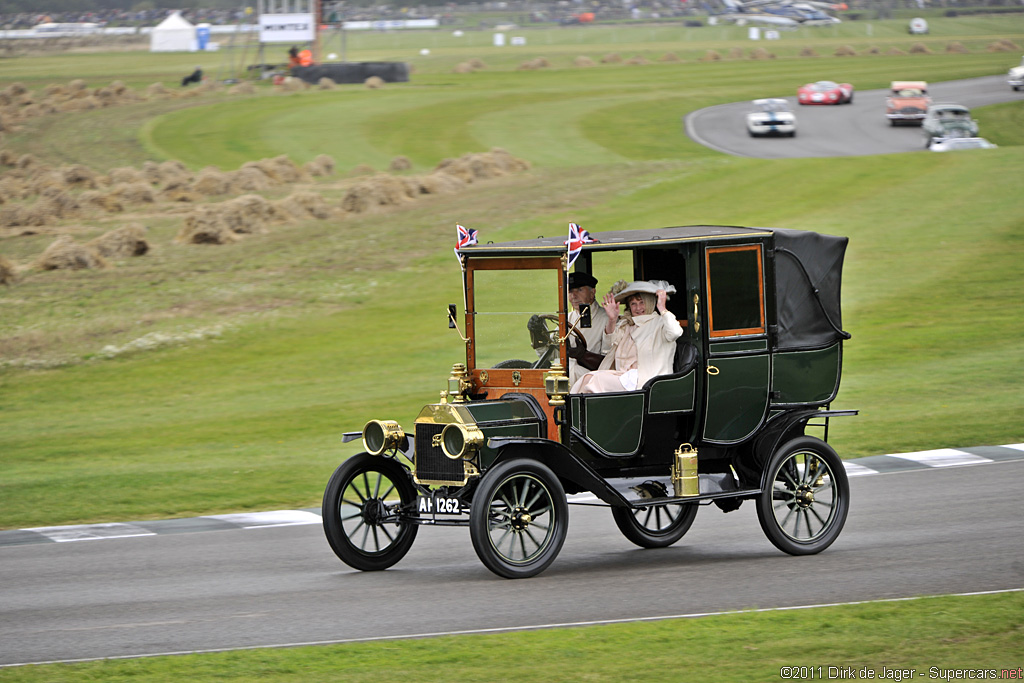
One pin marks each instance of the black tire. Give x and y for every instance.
(927, 142)
(360, 512)
(518, 518)
(806, 497)
(655, 526)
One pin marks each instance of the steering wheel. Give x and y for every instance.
(541, 335)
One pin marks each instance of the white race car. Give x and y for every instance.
(771, 116)
(1015, 77)
(954, 144)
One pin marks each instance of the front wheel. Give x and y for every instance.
(806, 497)
(655, 526)
(361, 510)
(518, 519)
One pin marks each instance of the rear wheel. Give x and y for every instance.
(360, 512)
(518, 519)
(655, 526)
(806, 497)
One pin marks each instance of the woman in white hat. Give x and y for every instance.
(642, 340)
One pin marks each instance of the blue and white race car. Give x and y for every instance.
(771, 116)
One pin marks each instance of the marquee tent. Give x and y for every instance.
(173, 34)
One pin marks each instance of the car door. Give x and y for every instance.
(737, 359)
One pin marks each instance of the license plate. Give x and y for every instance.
(439, 505)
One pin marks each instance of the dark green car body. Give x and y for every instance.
(759, 362)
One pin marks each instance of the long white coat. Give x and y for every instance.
(654, 336)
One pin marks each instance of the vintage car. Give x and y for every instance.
(907, 102)
(956, 144)
(825, 92)
(1015, 76)
(756, 368)
(943, 121)
(771, 116)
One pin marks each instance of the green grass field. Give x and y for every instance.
(255, 357)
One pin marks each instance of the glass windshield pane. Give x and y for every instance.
(505, 302)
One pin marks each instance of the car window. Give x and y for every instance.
(735, 291)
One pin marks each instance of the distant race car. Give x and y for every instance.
(771, 116)
(825, 92)
(955, 144)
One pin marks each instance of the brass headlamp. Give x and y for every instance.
(382, 435)
(461, 440)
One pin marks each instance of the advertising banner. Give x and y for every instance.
(287, 28)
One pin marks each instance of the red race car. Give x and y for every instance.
(825, 92)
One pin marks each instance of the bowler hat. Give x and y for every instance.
(581, 280)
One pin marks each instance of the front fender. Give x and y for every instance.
(560, 460)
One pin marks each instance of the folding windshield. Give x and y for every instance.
(513, 306)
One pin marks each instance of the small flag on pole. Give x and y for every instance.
(464, 237)
(577, 238)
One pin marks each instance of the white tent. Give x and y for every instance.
(173, 34)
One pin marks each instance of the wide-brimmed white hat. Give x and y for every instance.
(644, 287)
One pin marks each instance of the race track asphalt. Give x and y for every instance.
(855, 129)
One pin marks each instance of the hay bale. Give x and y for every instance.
(894, 52)
(158, 90)
(151, 172)
(254, 208)
(736, 53)
(205, 225)
(123, 242)
(326, 84)
(48, 180)
(240, 219)
(584, 62)
(180, 192)
(134, 193)
(507, 162)
(322, 165)
(101, 200)
(534, 64)
(374, 82)
(612, 58)
(281, 169)
(77, 85)
(80, 176)
(873, 50)
(477, 63)
(1002, 45)
(440, 183)
(8, 158)
(845, 51)
(957, 48)
(126, 175)
(27, 161)
(11, 188)
(711, 56)
(8, 272)
(670, 57)
(381, 190)
(211, 182)
(638, 60)
(66, 254)
(761, 53)
(292, 84)
(809, 52)
(243, 88)
(400, 163)
(362, 169)
(59, 204)
(173, 169)
(250, 178)
(312, 204)
(463, 68)
(287, 210)
(920, 49)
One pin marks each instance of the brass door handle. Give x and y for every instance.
(712, 370)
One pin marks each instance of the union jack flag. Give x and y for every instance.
(464, 237)
(577, 238)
